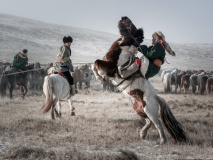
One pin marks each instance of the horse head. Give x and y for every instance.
(131, 35)
(84, 68)
(30, 66)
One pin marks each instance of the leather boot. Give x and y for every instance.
(129, 71)
(73, 91)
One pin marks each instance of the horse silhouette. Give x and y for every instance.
(12, 76)
(80, 75)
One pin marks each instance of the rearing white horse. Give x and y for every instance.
(139, 88)
(56, 88)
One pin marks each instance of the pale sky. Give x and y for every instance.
(181, 21)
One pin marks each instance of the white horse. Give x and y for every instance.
(56, 89)
(169, 79)
(139, 88)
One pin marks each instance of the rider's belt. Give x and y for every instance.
(157, 62)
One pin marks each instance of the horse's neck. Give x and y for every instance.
(124, 56)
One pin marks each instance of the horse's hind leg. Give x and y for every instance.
(58, 113)
(151, 110)
(53, 108)
(71, 107)
(144, 130)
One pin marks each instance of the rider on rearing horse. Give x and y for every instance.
(153, 56)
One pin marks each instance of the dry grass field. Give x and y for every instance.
(105, 127)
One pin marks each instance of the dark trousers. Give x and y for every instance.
(69, 77)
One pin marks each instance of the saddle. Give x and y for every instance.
(61, 74)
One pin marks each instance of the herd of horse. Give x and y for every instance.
(200, 82)
(33, 77)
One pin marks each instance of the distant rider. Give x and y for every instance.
(20, 61)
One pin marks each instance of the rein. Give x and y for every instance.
(131, 78)
(129, 30)
(22, 72)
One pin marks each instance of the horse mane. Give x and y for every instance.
(109, 62)
(114, 52)
(30, 66)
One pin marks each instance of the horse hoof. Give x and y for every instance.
(142, 136)
(72, 113)
(163, 142)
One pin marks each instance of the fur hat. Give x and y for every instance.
(158, 35)
(67, 39)
(25, 51)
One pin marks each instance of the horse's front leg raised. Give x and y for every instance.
(71, 107)
(97, 75)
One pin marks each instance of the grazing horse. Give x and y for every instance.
(35, 77)
(185, 82)
(179, 76)
(195, 80)
(56, 88)
(12, 76)
(209, 85)
(139, 88)
(108, 86)
(80, 75)
(169, 79)
(203, 84)
(163, 74)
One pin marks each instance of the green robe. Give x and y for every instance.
(20, 62)
(153, 52)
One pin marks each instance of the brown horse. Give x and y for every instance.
(79, 75)
(203, 84)
(36, 77)
(209, 85)
(179, 76)
(12, 76)
(195, 80)
(185, 82)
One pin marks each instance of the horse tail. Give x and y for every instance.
(167, 82)
(192, 82)
(169, 121)
(48, 89)
(3, 84)
(208, 85)
(203, 84)
(182, 81)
